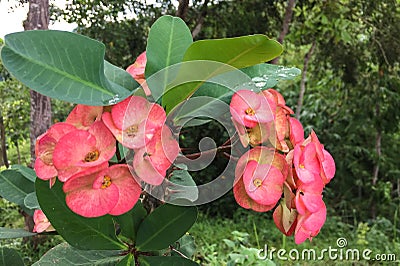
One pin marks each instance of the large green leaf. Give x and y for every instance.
(119, 76)
(267, 75)
(129, 222)
(62, 65)
(66, 255)
(165, 261)
(169, 37)
(164, 226)
(80, 232)
(182, 186)
(14, 186)
(185, 245)
(29, 173)
(14, 233)
(31, 201)
(9, 256)
(128, 260)
(239, 52)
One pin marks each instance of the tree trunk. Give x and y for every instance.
(3, 148)
(285, 26)
(200, 19)
(303, 80)
(182, 9)
(38, 19)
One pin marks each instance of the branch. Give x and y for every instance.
(303, 79)
(182, 9)
(200, 19)
(285, 27)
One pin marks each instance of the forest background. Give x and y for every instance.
(348, 92)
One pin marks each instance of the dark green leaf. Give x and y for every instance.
(31, 201)
(267, 75)
(61, 65)
(9, 256)
(165, 261)
(29, 173)
(65, 255)
(129, 222)
(169, 37)
(182, 186)
(185, 245)
(14, 186)
(128, 260)
(14, 233)
(119, 76)
(80, 232)
(164, 226)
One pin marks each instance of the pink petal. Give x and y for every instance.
(328, 166)
(83, 116)
(296, 131)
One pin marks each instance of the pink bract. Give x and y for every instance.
(44, 149)
(134, 121)
(306, 163)
(83, 116)
(249, 108)
(81, 150)
(309, 225)
(263, 182)
(42, 224)
(111, 191)
(309, 196)
(137, 70)
(151, 162)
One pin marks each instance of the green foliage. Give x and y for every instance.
(75, 74)
(9, 256)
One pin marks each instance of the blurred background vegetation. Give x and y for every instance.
(349, 93)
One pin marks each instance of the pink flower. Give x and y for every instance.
(243, 191)
(42, 224)
(137, 70)
(306, 163)
(296, 131)
(81, 150)
(263, 182)
(309, 196)
(44, 149)
(249, 108)
(134, 121)
(83, 116)
(253, 136)
(151, 162)
(309, 225)
(111, 191)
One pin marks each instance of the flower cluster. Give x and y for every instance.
(78, 151)
(280, 162)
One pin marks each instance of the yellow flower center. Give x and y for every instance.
(301, 166)
(257, 182)
(106, 182)
(131, 131)
(92, 156)
(249, 111)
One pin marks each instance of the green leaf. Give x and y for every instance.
(169, 37)
(129, 222)
(66, 255)
(128, 260)
(9, 256)
(61, 65)
(181, 186)
(185, 245)
(164, 226)
(79, 232)
(14, 233)
(238, 52)
(267, 75)
(119, 76)
(31, 201)
(29, 173)
(14, 186)
(165, 261)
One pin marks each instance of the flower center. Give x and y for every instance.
(106, 182)
(257, 182)
(131, 131)
(249, 111)
(92, 156)
(301, 166)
